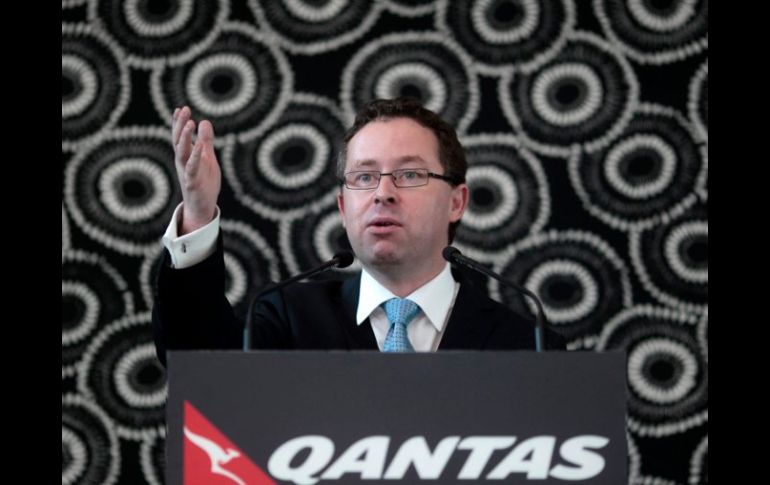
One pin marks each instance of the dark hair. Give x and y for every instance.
(450, 151)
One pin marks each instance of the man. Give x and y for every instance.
(402, 194)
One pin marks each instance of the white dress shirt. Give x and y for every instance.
(435, 298)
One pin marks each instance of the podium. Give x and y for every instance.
(307, 417)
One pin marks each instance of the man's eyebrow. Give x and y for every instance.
(364, 163)
(410, 159)
(400, 161)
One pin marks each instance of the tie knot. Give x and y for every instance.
(400, 310)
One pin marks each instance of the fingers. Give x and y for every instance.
(206, 137)
(206, 132)
(189, 154)
(178, 121)
(204, 143)
(184, 147)
(194, 163)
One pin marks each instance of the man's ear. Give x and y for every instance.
(341, 206)
(459, 202)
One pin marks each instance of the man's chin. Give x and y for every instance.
(384, 255)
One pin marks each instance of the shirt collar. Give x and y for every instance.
(434, 297)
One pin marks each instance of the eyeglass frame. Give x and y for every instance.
(430, 174)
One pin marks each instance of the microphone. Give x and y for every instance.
(453, 255)
(343, 259)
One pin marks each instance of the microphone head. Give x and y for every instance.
(344, 259)
(449, 253)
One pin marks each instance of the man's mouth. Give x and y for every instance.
(383, 225)
(383, 222)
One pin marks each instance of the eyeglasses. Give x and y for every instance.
(407, 177)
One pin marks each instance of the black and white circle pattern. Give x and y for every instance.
(424, 65)
(634, 459)
(90, 449)
(311, 26)
(585, 95)
(156, 33)
(650, 173)
(123, 191)
(241, 83)
(250, 263)
(308, 241)
(655, 32)
(152, 458)
(667, 376)
(702, 335)
(66, 238)
(506, 33)
(579, 278)
(122, 373)
(699, 463)
(698, 101)
(671, 260)
(93, 293)
(95, 84)
(148, 274)
(290, 169)
(410, 8)
(508, 192)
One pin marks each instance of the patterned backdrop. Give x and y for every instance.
(586, 128)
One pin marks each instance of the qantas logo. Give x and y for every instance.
(211, 458)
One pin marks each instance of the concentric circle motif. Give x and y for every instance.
(310, 240)
(667, 375)
(508, 198)
(672, 260)
(290, 168)
(241, 83)
(424, 65)
(655, 32)
(250, 264)
(578, 277)
(154, 34)
(650, 173)
(123, 375)
(585, 95)
(123, 191)
(89, 445)
(501, 34)
(93, 294)
(311, 27)
(95, 85)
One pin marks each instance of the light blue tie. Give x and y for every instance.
(400, 312)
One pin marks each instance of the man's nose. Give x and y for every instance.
(386, 191)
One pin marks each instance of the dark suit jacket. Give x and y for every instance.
(191, 312)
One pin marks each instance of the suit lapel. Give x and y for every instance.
(469, 324)
(359, 336)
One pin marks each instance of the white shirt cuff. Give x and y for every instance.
(192, 248)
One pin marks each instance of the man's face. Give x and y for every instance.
(392, 226)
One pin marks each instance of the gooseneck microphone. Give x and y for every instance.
(453, 255)
(343, 259)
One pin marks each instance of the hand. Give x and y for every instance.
(197, 169)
